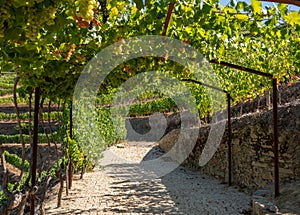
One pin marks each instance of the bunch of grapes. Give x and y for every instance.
(51, 11)
(85, 9)
(70, 52)
(47, 15)
(4, 16)
(37, 17)
(33, 24)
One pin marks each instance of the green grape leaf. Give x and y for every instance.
(293, 18)
(189, 30)
(283, 8)
(241, 6)
(242, 17)
(256, 5)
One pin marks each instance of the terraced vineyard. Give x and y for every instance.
(9, 129)
(10, 138)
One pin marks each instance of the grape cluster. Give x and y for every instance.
(33, 24)
(70, 52)
(37, 18)
(51, 11)
(85, 9)
(4, 16)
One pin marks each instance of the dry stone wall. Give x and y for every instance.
(139, 128)
(286, 94)
(252, 148)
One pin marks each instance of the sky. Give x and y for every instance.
(290, 7)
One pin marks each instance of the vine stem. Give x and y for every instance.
(45, 131)
(34, 149)
(20, 126)
(30, 118)
(51, 130)
(4, 181)
(170, 9)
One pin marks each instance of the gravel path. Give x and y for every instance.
(117, 189)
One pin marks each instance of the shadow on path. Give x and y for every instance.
(181, 191)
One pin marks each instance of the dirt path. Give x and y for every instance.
(114, 190)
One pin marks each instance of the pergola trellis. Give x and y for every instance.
(274, 90)
(170, 9)
(275, 117)
(275, 113)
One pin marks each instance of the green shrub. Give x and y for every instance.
(16, 161)
(160, 105)
(5, 92)
(3, 197)
(25, 116)
(107, 123)
(16, 138)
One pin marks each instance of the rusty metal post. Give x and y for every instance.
(70, 165)
(229, 139)
(275, 124)
(229, 123)
(275, 113)
(71, 120)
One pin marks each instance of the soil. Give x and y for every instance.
(6, 96)
(288, 202)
